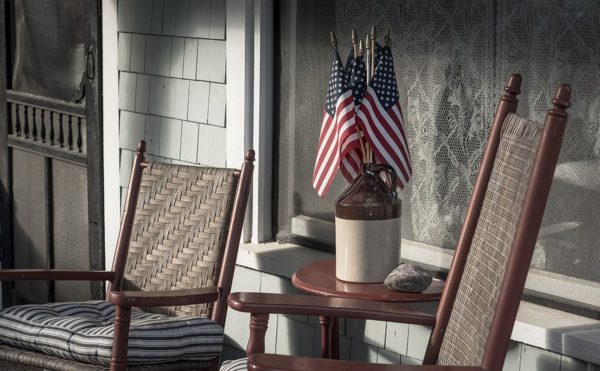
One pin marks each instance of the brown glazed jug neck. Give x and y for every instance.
(369, 197)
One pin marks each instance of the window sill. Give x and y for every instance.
(551, 329)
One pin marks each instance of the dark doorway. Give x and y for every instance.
(51, 200)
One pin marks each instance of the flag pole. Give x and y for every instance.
(354, 43)
(358, 49)
(372, 70)
(368, 58)
(373, 36)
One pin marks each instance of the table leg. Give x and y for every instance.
(330, 339)
(335, 339)
(326, 323)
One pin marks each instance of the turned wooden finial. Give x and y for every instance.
(562, 97)
(512, 88)
(250, 156)
(141, 147)
(561, 101)
(139, 155)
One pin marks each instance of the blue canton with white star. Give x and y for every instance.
(349, 65)
(359, 79)
(356, 74)
(337, 85)
(384, 80)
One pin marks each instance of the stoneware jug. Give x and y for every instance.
(367, 226)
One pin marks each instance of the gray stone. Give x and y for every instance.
(408, 278)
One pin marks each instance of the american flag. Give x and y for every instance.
(350, 149)
(339, 114)
(380, 117)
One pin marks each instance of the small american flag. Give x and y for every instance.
(380, 117)
(339, 113)
(350, 149)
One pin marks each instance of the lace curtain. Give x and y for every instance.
(452, 59)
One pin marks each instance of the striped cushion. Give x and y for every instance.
(84, 332)
(235, 365)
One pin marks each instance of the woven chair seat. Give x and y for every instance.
(84, 332)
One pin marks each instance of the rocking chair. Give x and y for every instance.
(175, 256)
(478, 307)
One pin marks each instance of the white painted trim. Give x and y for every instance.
(239, 51)
(110, 112)
(263, 120)
(239, 70)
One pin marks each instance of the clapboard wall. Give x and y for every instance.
(171, 62)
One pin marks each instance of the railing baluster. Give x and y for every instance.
(79, 139)
(43, 122)
(61, 134)
(18, 120)
(83, 135)
(52, 127)
(34, 123)
(26, 121)
(70, 132)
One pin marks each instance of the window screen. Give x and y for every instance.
(49, 44)
(452, 59)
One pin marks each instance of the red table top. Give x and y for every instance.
(319, 278)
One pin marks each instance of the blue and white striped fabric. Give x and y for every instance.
(84, 332)
(235, 365)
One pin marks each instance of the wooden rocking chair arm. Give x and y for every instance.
(54, 275)
(164, 298)
(261, 303)
(272, 362)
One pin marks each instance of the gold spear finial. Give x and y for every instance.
(386, 38)
(373, 33)
(355, 43)
(333, 39)
(367, 43)
(361, 47)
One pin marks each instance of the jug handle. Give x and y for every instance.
(393, 184)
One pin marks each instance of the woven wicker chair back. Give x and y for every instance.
(467, 332)
(180, 229)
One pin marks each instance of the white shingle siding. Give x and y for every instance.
(199, 95)
(133, 126)
(172, 80)
(211, 60)
(211, 144)
(127, 83)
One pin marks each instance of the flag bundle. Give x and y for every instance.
(363, 119)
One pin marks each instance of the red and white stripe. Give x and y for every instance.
(350, 151)
(385, 133)
(328, 153)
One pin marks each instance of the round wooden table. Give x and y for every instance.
(318, 278)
